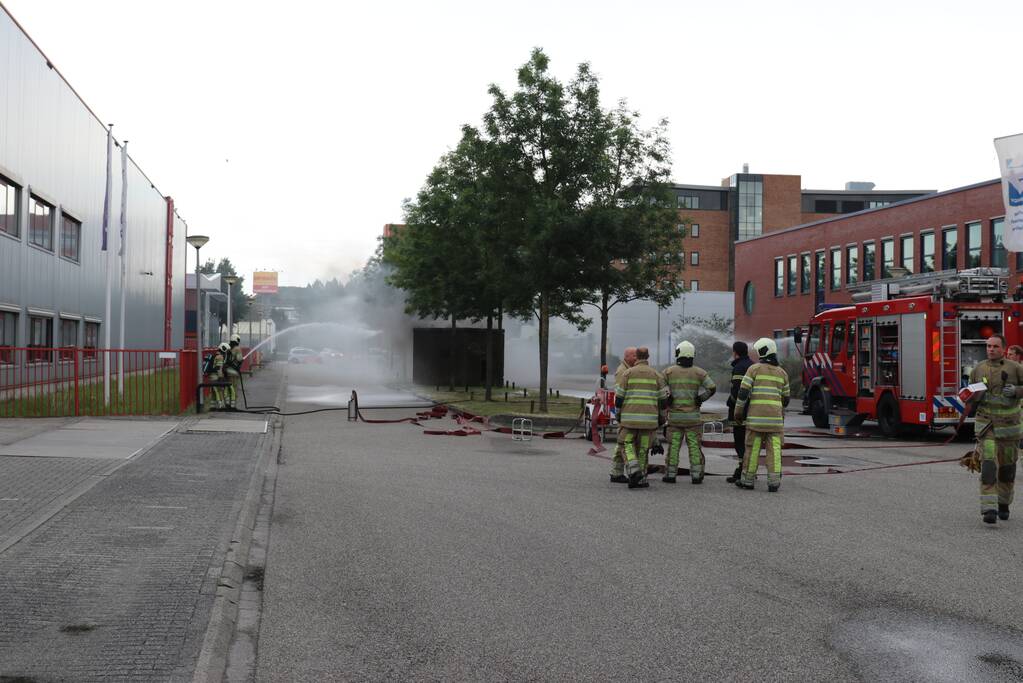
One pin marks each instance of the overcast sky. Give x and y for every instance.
(290, 133)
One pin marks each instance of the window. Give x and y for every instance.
(999, 256)
(973, 245)
(70, 237)
(869, 261)
(887, 257)
(793, 275)
(852, 265)
(9, 196)
(779, 277)
(750, 207)
(837, 339)
(877, 204)
(825, 206)
(40, 223)
(694, 258)
(927, 252)
(804, 273)
(949, 248)
(8, 336)
(813, 340)
(91, 340)
(852, 205)
(686, 201)
(851, 346)
(694, 230)
(748, 298)
(836, 268)
(68, 338)
(821, 271)
(40, 336)
(694, 285)
(907, 252)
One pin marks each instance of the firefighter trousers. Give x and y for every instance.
(636, 450)
(997, 472)
(692, 435)
(618, 460)
(772, 441)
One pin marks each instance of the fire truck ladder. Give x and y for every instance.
(948, 352)
(974, 284)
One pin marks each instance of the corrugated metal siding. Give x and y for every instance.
(51, 144)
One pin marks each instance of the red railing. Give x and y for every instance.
(56, 382)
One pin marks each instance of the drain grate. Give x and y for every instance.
(75, 629)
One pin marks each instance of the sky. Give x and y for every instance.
(290, 133)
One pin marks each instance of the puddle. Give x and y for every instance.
(896, 645)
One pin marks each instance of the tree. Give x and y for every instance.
(240, 301)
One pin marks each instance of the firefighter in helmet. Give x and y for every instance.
(618, 462)
(639, 397)
(233, 368)
(997, 427)
(760, 405)
(689, 387)
(216, 374)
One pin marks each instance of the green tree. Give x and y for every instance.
(240, 301)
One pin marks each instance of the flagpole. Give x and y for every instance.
(110, 263)
(124, 257)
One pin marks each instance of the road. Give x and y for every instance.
(397, 555)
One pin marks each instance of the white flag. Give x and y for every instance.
(1010, 158)
(124, 205)
(109, 190)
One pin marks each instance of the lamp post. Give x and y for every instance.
(230, 280)
(198, 241)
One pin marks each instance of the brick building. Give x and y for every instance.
(785, 274)
(747, 205)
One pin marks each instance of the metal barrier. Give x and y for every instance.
(714, 427)
(522, 429)
(62, 382)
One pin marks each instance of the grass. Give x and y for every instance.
(517, 404)
(155, 393)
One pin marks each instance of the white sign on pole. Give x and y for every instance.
(1010, 159)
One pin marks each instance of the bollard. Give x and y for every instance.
(513, 385)
(582, 404)
(524, 394)
(506, 397)
(550, 391)
(532, 406)
(557, 394)
(472, 396)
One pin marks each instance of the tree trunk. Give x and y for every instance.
(545, 331)
(500, 317)
(604, 310)
(451, 361)
(488, 388)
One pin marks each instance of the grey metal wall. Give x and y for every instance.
(52, 146)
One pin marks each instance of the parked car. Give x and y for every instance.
(301, 354)
(331, 354)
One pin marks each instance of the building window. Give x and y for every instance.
(750, 208)
(779, 277)
(821, 271)
(793, 275)
(999, 256)
(973, 245)
(949, 248)
(748, 298)
(852, 264)
(68, 338)
(887, 257)
(91, 340)
(40, 336)
(869, 261)
(906, 256)
(686, 201)
(694, 230)
(40, 223)
(804, 273)
(825, 206)
(694, 258)
(9, 202)
(836, 268)
(8, 336)
(70, 237)
(852, 206)
(927, 252)
(877, 204)
(694, 285)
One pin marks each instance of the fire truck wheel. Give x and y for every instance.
(818, 408)
(888, 418)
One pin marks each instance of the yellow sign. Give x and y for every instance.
(264, 282)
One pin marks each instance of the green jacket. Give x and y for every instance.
(640, 390)
(685, 385)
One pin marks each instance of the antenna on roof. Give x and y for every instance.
(745, 168)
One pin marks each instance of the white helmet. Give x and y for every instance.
(236, 338)
(685, 350)
(224, 347)
(765, 347)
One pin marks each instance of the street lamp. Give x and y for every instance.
(230, 280)
(198, 241)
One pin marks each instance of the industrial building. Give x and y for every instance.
(53, 156)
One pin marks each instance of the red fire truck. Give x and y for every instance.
(901, 352)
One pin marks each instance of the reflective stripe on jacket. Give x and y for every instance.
(684, 385)
(640, 390)
(1002, 413)
(766, 386)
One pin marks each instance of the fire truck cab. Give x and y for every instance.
(900, 353)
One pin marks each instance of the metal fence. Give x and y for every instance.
(60, 382)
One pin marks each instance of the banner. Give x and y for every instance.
(108, 191)
(264, 282)
(1010, 158)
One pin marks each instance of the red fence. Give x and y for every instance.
(56, 382)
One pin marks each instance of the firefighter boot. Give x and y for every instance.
(773, 488)
(1003, 511)
(990, 517)
(736, 476)
(668, 479)
(619, 479)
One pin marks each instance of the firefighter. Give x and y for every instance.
(214, 371)
(617, 462)
(760, 405)
(997, 427)
(740, 364)
(233, 368)
(640, 396)
(689, 386)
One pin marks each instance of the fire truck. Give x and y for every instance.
(900, 353)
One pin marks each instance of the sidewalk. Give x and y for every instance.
(110, 565)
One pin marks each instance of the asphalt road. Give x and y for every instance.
(396, 555)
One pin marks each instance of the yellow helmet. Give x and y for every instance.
(685, 350)
(765, 347)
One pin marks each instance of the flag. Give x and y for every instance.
(1010, 159)
(109, 188)
(124, 203)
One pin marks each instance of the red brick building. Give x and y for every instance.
(784, 274)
